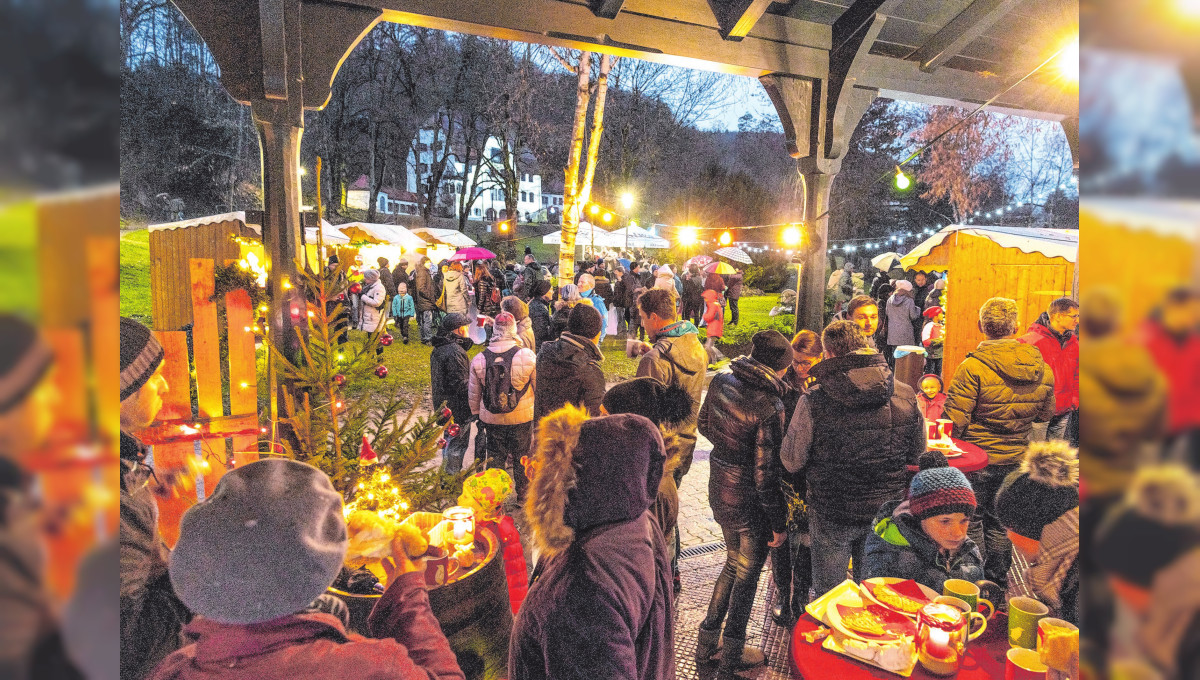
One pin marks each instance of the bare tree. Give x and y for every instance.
(958, 164)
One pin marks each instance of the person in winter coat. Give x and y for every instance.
(635, 320)
(539, 314)
(922, 287)
(457, 289)
(278, 516)
(487, 292)
(692, 304)
(601, 552)
(620, 299)
(734, 284)
(1039, 505)
(403, 309)
(924, 537)
(1172, 338)
(854, 434)
(568, 297)
(881, 278)
(665, 278)
(1054, 334)
(385, 277)
(902, 313)
(151, 612)
(529, 277)
(587, 290)
(510, 279)
(425, 296)
(520, 311)
(714, 324)
(933, 339)
(449, 370)
(934, 299)
(714, 282)
(373, 305)
(506, 413)
(996, 395)
(604, 288)
(931, 398)
(743, 417)
(569, 367)
(400, 274)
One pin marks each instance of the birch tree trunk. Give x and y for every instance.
(589, 173)
(572, 207)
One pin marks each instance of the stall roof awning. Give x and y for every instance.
(450, 237)
(1168, 218)
(1062, 243)
(393, 234)
(641, 238)
(329, 234)
(238, 216)
(585, 236)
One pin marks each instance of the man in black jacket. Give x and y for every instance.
(539, 314)
(854, 434)
(529, 277)
(620, 298)
(569, 367)
(425, 297)
(448, 371)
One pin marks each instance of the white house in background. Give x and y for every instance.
(552, 207)
(389, 200)
(489, 204)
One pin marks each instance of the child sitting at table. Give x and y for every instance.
(931, 398)
(924, 537)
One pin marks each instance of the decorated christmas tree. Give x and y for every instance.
(377, 452)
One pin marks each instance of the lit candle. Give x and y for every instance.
(462, 524)
(939, 642)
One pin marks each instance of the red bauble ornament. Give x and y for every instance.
(339, 380)
(453, 430)
(356, 288)
(381, 371)
(366, 455)
(277, 447)
(441, 443)
(446, 413)
(386, 339)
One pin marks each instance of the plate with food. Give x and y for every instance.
(871, 622)
(905, 596)
(947, 446)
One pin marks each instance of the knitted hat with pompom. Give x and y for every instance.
(1044, 488)
(939, 489)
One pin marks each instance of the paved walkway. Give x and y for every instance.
(696, 523)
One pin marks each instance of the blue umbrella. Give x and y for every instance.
(624, 263)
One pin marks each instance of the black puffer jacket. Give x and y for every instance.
(558, 321)
(424, 291)
(568, 371)
(854, 433)
(539, 315)
(743, 417)
(449, 369)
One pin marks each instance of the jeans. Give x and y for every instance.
(985, 529)
(456, 449)
(425, 319)
(402, 324)
(733, 594)
(505, 446)
(733, 311)
(791, 566)
(834, 544)
(622, 324)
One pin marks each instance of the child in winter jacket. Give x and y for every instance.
(933, 337)
(714, 320)
(931, 398)
(924, 538)
(403, 309)
(485, 492)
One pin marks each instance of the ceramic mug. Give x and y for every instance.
(971, 616)
(945, 428)
(1024, 664)
(931, 430)
(1024, 613)
(439, 565)
(967, 592)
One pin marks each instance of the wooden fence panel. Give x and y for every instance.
(177, 405)
(206, 356)
(243, 381)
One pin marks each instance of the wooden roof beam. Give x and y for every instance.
(606, 9)
(735, 18)
(961, 31)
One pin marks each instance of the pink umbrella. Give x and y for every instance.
(473, 253)
(699, 261)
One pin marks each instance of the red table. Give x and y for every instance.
(973, 458)
(984, 660)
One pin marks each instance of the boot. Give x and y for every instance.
(736, 656)
(781, 611)
(708, 642)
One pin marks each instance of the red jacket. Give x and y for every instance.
(408, 644)
(932, 409)
(1179, 361)
(1062, 356)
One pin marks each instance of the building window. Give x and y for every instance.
(381, 203)
(476, 212)
(522, 196)
(423, 168)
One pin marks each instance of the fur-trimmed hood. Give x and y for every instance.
(1053, 463)
(591, 472)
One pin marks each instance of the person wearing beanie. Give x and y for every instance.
(600, 602)
(934, 298)
(539, 313)
(933, 338)
(1039, 506)
(587, 290)
(902, 314)
(25, 394)
(743, 417)
(252, 562)
(500, 388)
(931, 398)
(449, 369)
(520, 311)
(924, 537)
(151, 613)
(373, 305)
(568, 368)
(568, 297)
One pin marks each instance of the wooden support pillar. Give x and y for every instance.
(810, 306)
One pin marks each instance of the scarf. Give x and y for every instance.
(677, 330)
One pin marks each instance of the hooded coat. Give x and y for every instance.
(569, 371)
(1061, 354)
(743, 417)
(539, 320)
(899, 547)
(373, 307)
(678, 358)
(902, 313)
(855, 432)
(996, 395)
(600, 605)
(424, 292)
(457, 298)
(523, 373)
(449, 372)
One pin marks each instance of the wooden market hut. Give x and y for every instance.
(1031, 266)
(214, 237)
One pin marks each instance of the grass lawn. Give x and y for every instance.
(135, 275)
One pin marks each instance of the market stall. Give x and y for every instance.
(391, 241)
(634, 236)
(443, 243)
(587, 237)
(1031, 266)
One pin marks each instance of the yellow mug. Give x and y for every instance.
(970, 616)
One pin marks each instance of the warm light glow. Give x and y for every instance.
(902, 180)
(687, 236)
(791, 236)
(262, 308)
(627, 200)
(608, 217)
(287, 285)
(1067, 61)
(1188, 8)
(726, 238)
(504, 226)
(594, 209)
(245, 385)
(303, 171)
(341, 357)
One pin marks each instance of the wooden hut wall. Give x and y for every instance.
(170, 253)
(981, 269)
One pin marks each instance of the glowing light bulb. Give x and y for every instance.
(791, 236)
(902, 181)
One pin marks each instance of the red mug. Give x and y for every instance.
(1024, 664)
(439, 566)
(946, 427)
(931, 430)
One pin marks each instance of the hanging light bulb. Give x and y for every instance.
(726, 238)
(902, 180)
